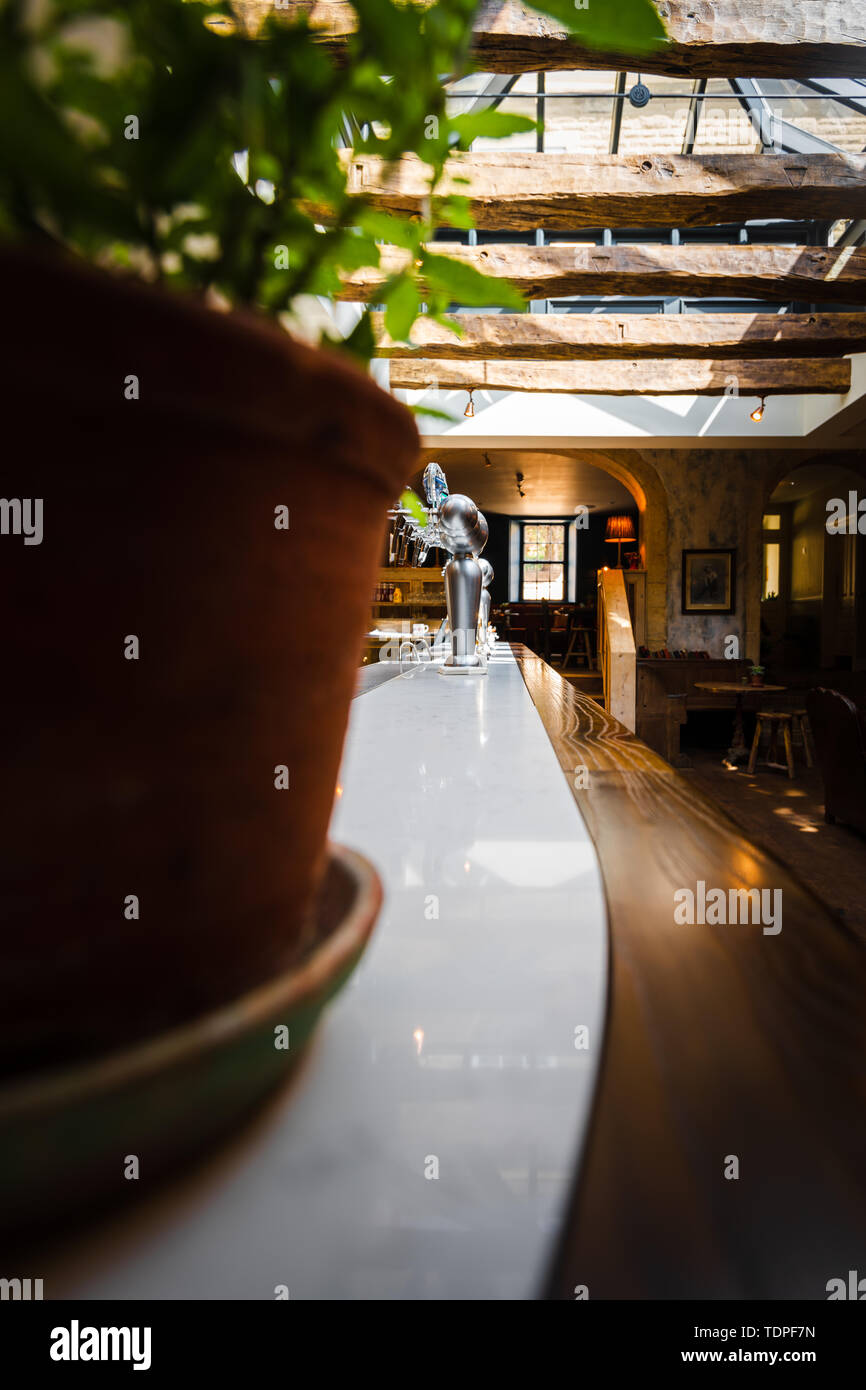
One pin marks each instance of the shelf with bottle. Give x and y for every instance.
(419, 587)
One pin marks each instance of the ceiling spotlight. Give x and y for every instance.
(487, 463)
(519, 477)
(470, 407)
(758, 413)
(640, 94)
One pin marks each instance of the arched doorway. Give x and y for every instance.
(639, 476)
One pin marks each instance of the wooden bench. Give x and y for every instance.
(665, 695)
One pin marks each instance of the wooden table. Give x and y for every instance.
(738, 751)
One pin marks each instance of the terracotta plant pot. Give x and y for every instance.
(172, 1097)
(155, 777)
(755, 680)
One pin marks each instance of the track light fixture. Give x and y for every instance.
(470, 407)
(758, 413)
(640, 93)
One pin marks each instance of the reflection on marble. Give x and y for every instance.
(428, 1147)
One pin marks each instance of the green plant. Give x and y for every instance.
(160, 137)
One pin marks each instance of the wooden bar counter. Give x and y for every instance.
(544, 1079)
(722, 1043)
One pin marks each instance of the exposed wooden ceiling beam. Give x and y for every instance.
(592, 337)
(520, 190)
(778, 273)
(708, 38)
(802, 376)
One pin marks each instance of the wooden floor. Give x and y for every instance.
(722, 1043)
(786, 818)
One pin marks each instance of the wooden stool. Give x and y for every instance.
(574, 641)
(802, 731)
(776, 721)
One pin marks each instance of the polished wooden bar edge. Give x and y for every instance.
(727, 1050)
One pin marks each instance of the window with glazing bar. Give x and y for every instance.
(543, 560)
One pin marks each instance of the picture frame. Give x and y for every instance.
(709, 581)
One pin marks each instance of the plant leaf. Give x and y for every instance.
(632, 25)
(383, 226)
(453, 211)
(410, 500)
(490, 125)
(361, 342)
(433, 414)
(466, 285)
(401, 309)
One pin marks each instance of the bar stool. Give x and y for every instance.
(557, 636)
(776, 721)
(802, 733)
(578, 632)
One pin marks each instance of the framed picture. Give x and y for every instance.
(708, 581)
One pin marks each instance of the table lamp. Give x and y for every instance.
(619, 529)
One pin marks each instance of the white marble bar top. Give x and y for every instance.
(428, 1146)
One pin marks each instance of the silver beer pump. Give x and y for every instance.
(464, 531)
(484, 606)
(454, 523)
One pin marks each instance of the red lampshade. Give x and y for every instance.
(620, 528)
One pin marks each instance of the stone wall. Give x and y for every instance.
(714, 499)
(695, 499)
(714, 502)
